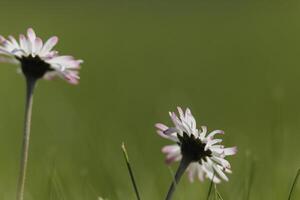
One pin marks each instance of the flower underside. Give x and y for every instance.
(193, 148)
(38, 59)
(34, 67)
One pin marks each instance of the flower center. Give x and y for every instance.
(193, 148)
(34, 67)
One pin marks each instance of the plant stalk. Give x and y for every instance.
(180, 171)
(30, 85)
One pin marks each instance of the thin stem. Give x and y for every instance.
(294, 184)
(130, 172)
(210, 187)
(30, 84)
(180, 171)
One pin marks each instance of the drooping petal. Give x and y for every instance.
(192, 171)
(230, 151)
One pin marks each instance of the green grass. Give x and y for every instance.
(234, 63)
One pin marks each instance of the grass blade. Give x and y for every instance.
(217, 194)
(250, 179)
(130, 172)
(294, 184)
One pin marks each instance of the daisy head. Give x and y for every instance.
(38, 59)
(205, 153)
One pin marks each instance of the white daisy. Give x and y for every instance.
(205, 154)
(37, 59)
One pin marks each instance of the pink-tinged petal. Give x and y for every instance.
(72, 78)
(230, 151)
(19, 52)
(50, 55)
(169, 137)
(2, 39)
(61, 59)
(170, 131)
(14, 41)
(174, 118)
(217, 151)
(161, 127)
(221, 161)
(8, 45)
(31, 41)
(213, 133)
(209, 171)
(180, 111)
(170, 149)
(4, 51)
(8, 60)
(74, 64)
(50, 75)
(38, 43)
(67, 61)
(24, 43)
(200, 173)
(192, 170)
(172, 158)
(180, 125)
(218, 170)
(202, 133)
(190, 119)
(211, 143)
(31, 34)
(49, 45)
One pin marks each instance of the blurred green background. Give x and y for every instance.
(235, 63)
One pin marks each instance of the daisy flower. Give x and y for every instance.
(38, 59)
(204, 154)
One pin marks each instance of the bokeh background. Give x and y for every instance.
(234, 63)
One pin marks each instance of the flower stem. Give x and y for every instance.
(30, 84)
(180, 171)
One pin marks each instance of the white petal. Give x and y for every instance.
(180, 111)
(221, 161)
(203, 132)
(2, 39)
(230, 151)
(38, 44)
(49, 45)
(217, 169)
(200, 173)
(192, 170)
(24, 44)
(14, 41)
(208, 169)
(212, 142)
(213, 133)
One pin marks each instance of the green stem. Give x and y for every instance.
(180, 171)
(30, 84)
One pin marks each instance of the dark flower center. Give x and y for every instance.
(34, 67)
(193, 148)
